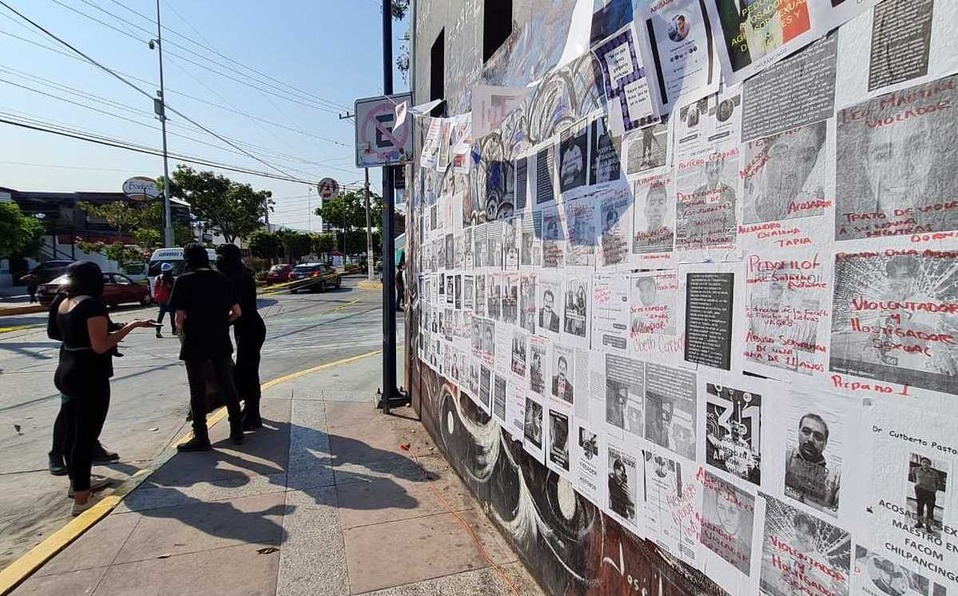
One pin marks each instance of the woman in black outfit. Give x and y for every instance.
(79, 320)
(249, 331)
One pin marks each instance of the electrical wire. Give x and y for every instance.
(141, 91)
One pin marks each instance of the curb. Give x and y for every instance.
(6, 311)
(370, 285)
(21, 569)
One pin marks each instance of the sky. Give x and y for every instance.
(310, 60)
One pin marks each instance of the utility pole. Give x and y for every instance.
(390, 391)
(159, 106)
(369, 234)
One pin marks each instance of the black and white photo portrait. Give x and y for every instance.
(573, 158)
(559, 439)
(533, 425)
(606, 154)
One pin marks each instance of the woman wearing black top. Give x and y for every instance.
(79, 320)
(249, 331)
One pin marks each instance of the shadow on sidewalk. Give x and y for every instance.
(216, 492)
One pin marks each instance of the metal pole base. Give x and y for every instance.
(398, 399)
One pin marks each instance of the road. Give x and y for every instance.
(150, 396)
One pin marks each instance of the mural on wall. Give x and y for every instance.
(653, 389)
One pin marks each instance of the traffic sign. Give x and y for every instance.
(327, 188)
(377, 144)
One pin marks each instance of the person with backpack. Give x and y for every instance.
(162, 289)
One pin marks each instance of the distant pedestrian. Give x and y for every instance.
(33, 283)
(79, 319)
(205, 306)
(162, 289)
(401, 283)
(249, 331)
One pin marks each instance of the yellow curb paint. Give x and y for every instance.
(16, 328)
(18, 571)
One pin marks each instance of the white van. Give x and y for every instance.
(173, 256)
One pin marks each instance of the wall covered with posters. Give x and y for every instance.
(684, 290)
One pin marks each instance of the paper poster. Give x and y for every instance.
(562, 384)
(893, 319)
(519, 366)
(499, 399)
(653, 236)
(802, 554)
(708, 126)
(733, 427)
(646, 149)
(510, 298)
(901, 42)
(671, 504)
(610, 313)
(494, 296)
(512, 229)
(624, 395)
(573, 157)
(491, 105)
(576, 320)
(558, 441)
(549, 289)
(485, 388)
(670, 409)
(589, 465)
(911, 532)
(786, 313)
(606, 153)
(679, 41)
(624, 485)
(527, 301)
(533, 428)
(540, 354)
(515, 411)
(896, 156)
(654, 316)
(580, 217)
(728, 521)
(757, 33)
(554, 243)
(708, 321)
(530, 248)
(626, 83)
(614, 214)
(706, 195)
(544, 182)
(430, 146)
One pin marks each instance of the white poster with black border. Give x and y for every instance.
(626, 478)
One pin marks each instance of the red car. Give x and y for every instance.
(278, 274)
(117, 289)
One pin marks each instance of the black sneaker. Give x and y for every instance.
(252, 422)
(195, 444)
(58, 466)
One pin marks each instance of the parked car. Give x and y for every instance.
(278, 274)
(117, 289)
(50, 270)
(323, 276)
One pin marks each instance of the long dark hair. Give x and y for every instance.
(195, 256)
(84, 278)
(229, 261)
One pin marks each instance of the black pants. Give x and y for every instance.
(222, 367)
(926, 501)
(250, 337)
(83, 418)
(166, 308)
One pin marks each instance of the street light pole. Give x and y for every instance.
(369, 234)
(160, 108)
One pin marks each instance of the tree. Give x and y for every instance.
(20, 234)
(230, 208)
(324, 243)
(297, 244)
(347, 211)
(142, 222)
(266, 245)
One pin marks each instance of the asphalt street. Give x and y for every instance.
(149, 395)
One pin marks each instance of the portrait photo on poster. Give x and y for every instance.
(816, 435)
(624, 398)
(563, 370)
(533, 425)
(606, 153)
(891, 318)
(785, 175)
(623, 485)
(800, 550)
(573, 157)
(538, 364)
(728, 515)
(670, 408)
(896, 155)
(559, 440)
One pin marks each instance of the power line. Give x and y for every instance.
(128, 83)
(307, 101)
(119, 144)
(169, 90)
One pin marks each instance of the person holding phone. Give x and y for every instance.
(79, 319)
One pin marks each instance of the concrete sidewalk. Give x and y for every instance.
(324, 500)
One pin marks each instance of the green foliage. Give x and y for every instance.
(20, 234)
(129, 218)
(266, 244)
(230, 208)
(182, 234)
(348, 210)
(297, 244)
(324, 243)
